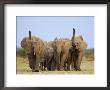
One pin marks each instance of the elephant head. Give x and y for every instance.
(79, 43)
(26, 43)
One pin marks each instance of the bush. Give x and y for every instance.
(20, 52)
(89, 54)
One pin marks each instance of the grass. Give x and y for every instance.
(22, 65)
(87, 67)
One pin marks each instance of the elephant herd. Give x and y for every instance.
(59, 54)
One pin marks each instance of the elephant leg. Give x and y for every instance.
(58, 61)
(72, 62)
(65, 65)
(31, 61)
(68, 64)
(63, 58)
(53, 64)
(37, 64)
(41, 65)
(72, 65)
(78, 63)
(69, 61)
(46, 64)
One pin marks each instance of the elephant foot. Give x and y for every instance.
(77, 69)
(35, 70)
(61, 69)
(73, 69)
(58, 68)
(31, 67)
(68, 69)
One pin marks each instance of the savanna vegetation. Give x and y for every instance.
(22, 64)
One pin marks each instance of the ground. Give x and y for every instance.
(22, 67)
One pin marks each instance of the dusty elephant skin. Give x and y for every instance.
(80, 46)
(69, 52)
(60, 54)
(48, 55)
(38, 52)
(26, 43)
(61, 51)
(76, 53)
(44, 54)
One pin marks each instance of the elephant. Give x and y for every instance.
(59, 54)
(26, 43)
(39, 52)
(76, 53)
(61, 50)
(48, 56)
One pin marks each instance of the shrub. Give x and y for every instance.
(20, 52)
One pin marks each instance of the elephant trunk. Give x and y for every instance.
(30, 35)
(73, 36)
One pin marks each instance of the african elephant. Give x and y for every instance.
(26, 43)
(48, 55)
(61, 50)
(76, 53)
(38, 52)
(44, 54)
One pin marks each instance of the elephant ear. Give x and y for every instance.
(24, 42)
(81, 37)
(83, 45)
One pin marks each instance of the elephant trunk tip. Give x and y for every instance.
(29, 34)
(73, 31)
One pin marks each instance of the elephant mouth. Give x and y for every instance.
(75, 46)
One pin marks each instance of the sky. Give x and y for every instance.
(50, 27)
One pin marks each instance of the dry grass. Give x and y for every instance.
(87, 67)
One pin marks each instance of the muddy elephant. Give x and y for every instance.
(26, 43)
(76, 53)
(47, 56)
(61, 50)
(38, 51)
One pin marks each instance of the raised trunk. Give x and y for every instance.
(73, 36)
(30, 35)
